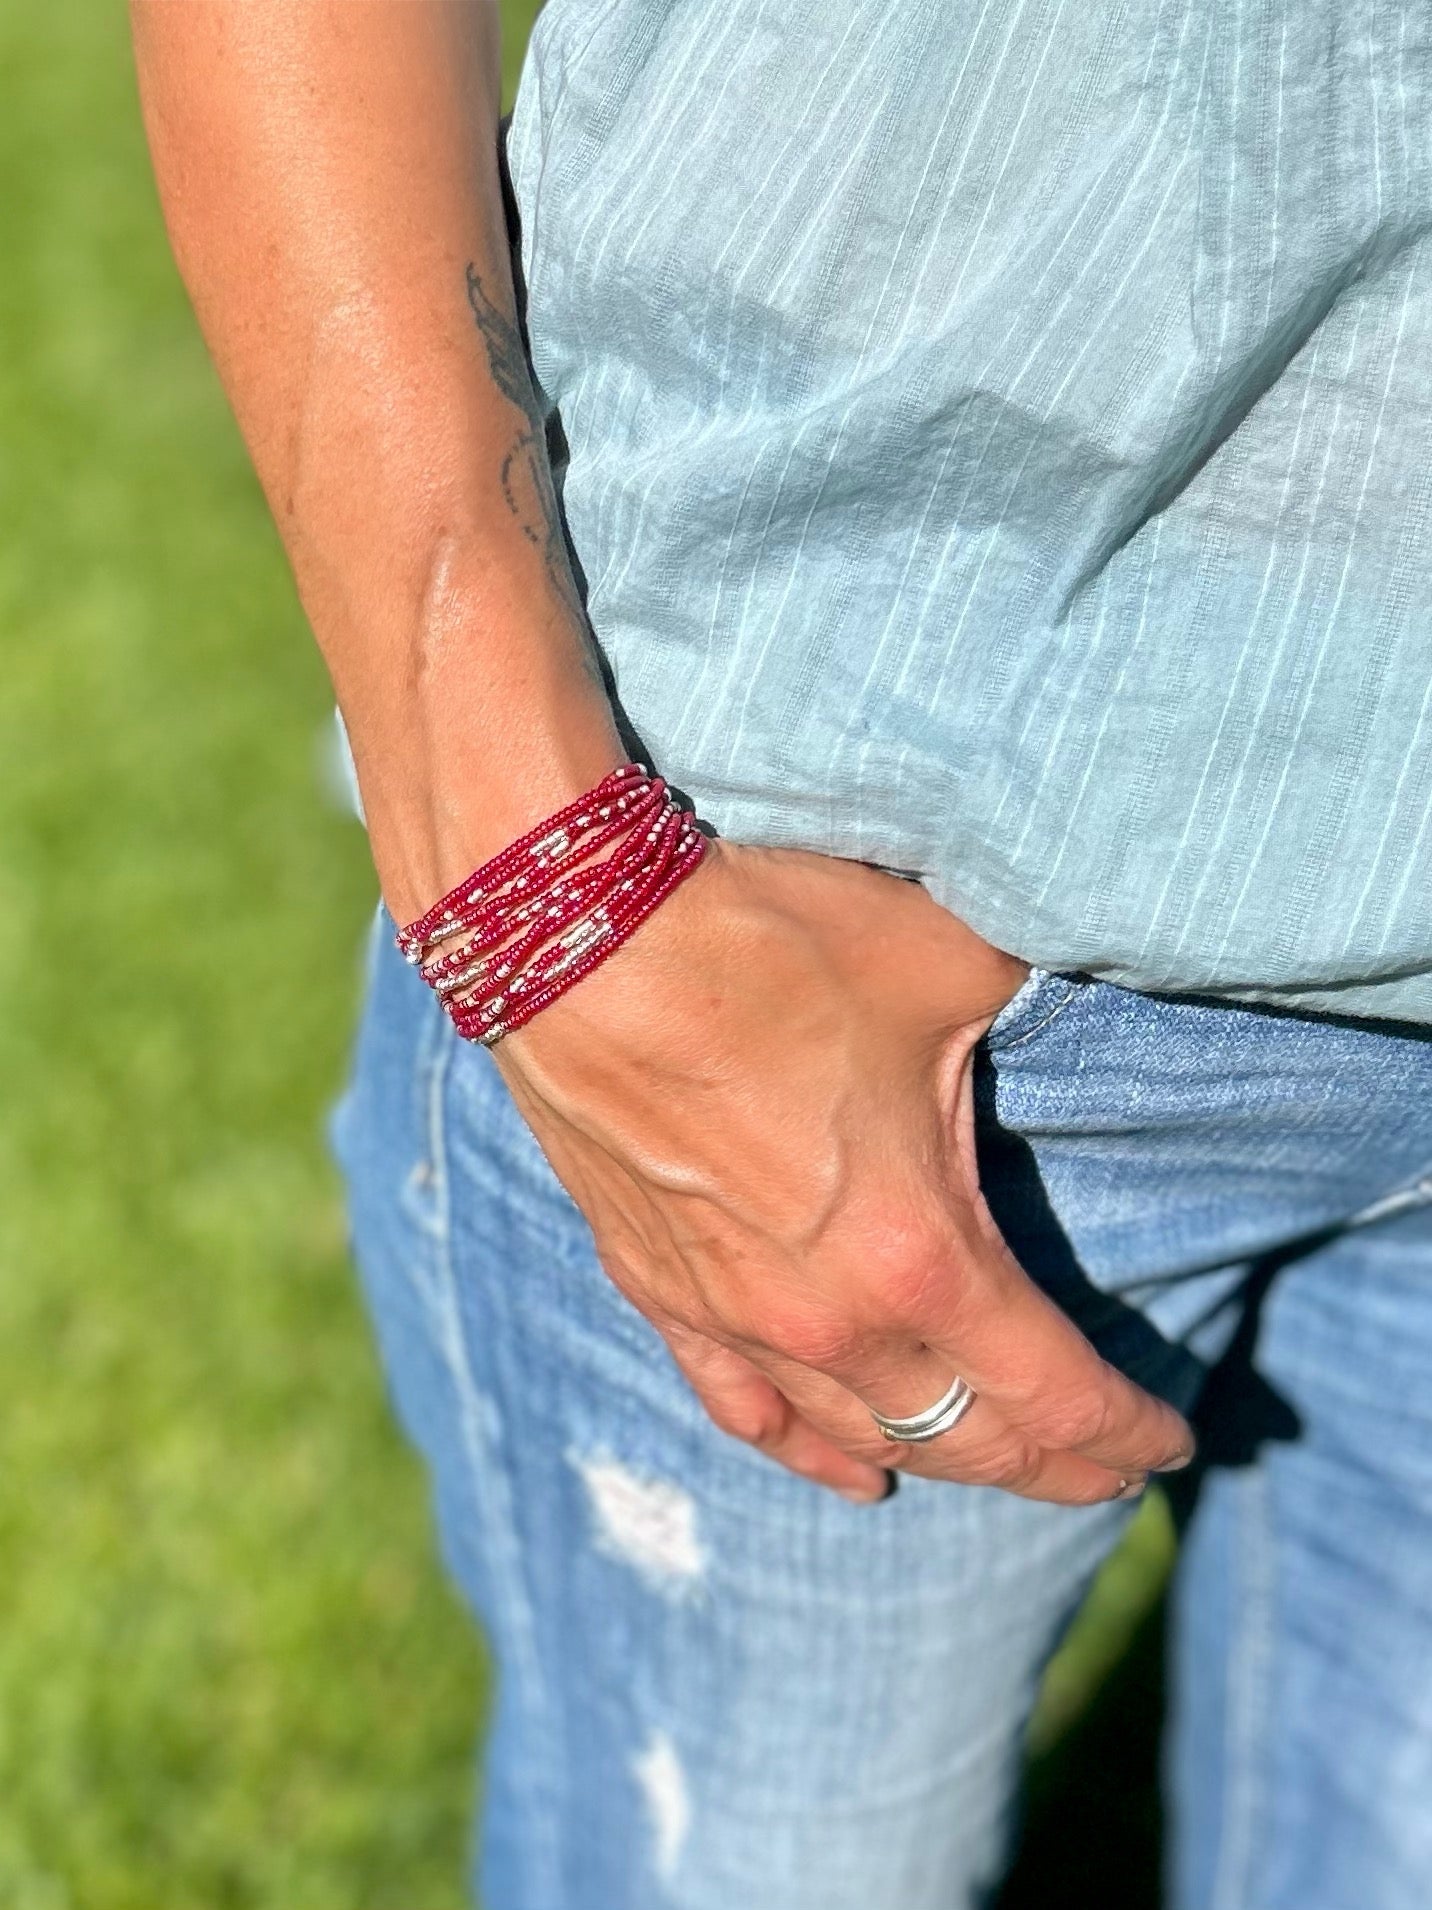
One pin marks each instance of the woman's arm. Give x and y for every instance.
(329, 175)
(762, 1104)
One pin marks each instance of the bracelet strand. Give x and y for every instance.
(538, 846)
(535, 919)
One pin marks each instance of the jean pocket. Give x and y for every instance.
(1038, 999)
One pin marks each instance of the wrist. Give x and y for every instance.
(522, 929)
(489, 718)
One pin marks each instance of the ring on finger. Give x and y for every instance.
(946, 1412)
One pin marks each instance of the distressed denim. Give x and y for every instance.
(723, 1687)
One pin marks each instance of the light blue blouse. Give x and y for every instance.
(1000, 448)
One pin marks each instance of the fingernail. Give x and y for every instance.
(1130, 1488)
(862, 1495)
(871, 1494)
(1177, 1462)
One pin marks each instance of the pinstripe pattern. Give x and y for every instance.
(999, 448)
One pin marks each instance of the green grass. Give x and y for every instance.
(231, 1673)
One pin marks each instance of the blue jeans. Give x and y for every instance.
(722, 1688)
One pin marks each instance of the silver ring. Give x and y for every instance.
(947, 1411)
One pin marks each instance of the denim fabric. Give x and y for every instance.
(997, 448)
(723, 1687)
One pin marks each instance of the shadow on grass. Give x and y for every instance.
(1092, 1828)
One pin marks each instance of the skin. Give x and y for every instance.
(762, 1104)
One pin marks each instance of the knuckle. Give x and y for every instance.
(809, 1338)
(875, 1450)
(1083, 1420)
(757, 1422)
(1013, 1466)
(1021, 1469)
(913, 1271)
(898, 1287)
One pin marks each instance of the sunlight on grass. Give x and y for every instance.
(230, 1672)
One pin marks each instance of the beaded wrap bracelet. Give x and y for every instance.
(530, 923)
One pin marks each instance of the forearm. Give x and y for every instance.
(764, 1105)
(329, 176)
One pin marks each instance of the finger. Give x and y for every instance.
(1009, 1339)
(991, 1324)
(835, 1377)
(982, 1449)
(744, 1402)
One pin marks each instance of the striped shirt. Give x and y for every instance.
(1000, 448)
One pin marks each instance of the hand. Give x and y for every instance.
(763, 1107)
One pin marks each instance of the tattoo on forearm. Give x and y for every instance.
(525, 474)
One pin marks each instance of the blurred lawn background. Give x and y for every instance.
(231, 1673)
